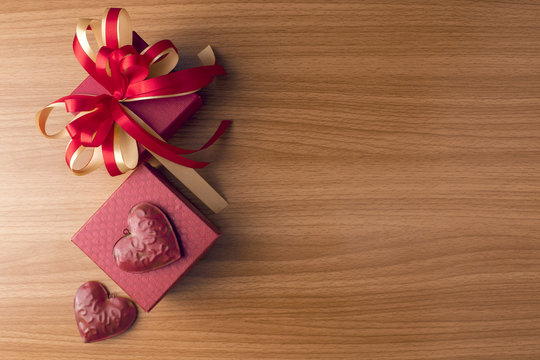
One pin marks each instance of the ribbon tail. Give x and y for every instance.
(220, 130)
(125, 118)
(152, 134)
(179, 82)
(196, 184)
(187, 176)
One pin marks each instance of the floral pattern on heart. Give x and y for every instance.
(99, 316)
(149, 242)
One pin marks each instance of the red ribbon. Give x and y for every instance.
(123, 72)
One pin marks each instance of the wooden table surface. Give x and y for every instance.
(383, 174)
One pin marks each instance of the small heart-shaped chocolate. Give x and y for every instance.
(100, 317)
(150, 242)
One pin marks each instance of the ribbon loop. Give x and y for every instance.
(162, 56)
(116, 26)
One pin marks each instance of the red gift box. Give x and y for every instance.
(165, 115)
(195, 234)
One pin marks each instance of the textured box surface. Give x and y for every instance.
(97, 237)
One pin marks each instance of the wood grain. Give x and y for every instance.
(383, 174)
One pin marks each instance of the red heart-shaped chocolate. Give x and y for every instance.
(150, 243)
(100, 317)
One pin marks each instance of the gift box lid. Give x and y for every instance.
(98, 236)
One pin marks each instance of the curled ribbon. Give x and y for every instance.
(108, 128)
(103, 123)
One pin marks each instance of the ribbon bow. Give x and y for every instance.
(103, 123)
